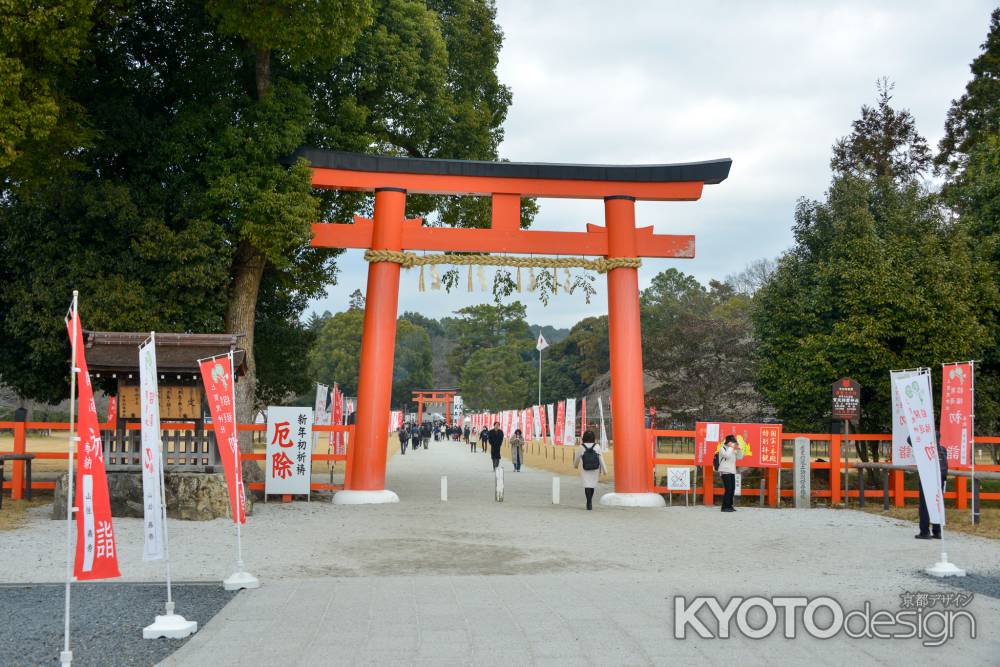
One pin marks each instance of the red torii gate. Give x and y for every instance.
(445, 398)
(391, 178)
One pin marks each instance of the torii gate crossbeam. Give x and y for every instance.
(391, 178)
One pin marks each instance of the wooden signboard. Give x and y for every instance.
(176, 402)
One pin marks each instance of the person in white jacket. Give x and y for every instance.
(589, 459)
(729, 454)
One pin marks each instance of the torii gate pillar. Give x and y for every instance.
(378, 344)
(628, 429)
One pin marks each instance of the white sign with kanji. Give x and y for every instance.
(288, 459)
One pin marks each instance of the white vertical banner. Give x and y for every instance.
(320, 412)
(536, 421)
(569, 431)
(918, 410)
(902, 452)
(152, 508)
(604, 432)
(288, 459)
(549, 411)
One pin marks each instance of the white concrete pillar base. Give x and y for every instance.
(633, 500)
(350, 497)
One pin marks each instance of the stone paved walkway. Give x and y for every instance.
(523, 582)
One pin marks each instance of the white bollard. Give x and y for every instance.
(555, 490)
(499, 487)
(444, 488)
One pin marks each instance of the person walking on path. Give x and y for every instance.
(473, 441)
(484, 437)
(404, 438)
(414, 437)
(729, 454)
(589, 460)
(425, 434)
(495, 438)
(516, 447)
(466, 432)
(930, 530)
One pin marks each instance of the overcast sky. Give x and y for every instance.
(769, 84)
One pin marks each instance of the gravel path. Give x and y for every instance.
(855, 556)
(107, 621)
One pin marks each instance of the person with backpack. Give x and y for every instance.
(589, 460)
(725, 462)
(404, 438)
(484, 437)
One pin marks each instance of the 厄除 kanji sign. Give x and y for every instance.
(760, 443)
(288, 458)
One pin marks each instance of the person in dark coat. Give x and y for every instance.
(425, 434)
(484, 437)
(930, 530)
(404, 438)
(495, 437)
(414, 437)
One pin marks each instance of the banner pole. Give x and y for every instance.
(163, 501)
(66, 657)
(972, 445)
(539, 377)
(238, 469)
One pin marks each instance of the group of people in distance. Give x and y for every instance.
(587, 456)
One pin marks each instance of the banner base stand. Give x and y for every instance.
(945, 569)
(633, 500)
(239, 580)
(171, 626)
(352, 497)
(65, 658)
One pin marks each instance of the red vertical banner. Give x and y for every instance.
(218, 376)
(560, 421)
(583, 415)
(541, 420)
(957, 413)
(96, 554)
(112, 412)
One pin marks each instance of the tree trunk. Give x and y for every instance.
(262, 73)
(248, 268)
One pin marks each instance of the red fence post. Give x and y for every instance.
(772, 487)
(961, 493)
(834, 469)
(17, 474)
(898, 488)
(708, 484)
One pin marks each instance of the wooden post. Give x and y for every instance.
(898, 488)
(961, 493)
(707, 485)
(834, 469)
(772, 487)
(17, 472)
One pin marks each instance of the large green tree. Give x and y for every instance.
(974, 116)
(142, 152)
(334, 354)
(877, 280)
(486, 326)
(497, 379)
(698, 345)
